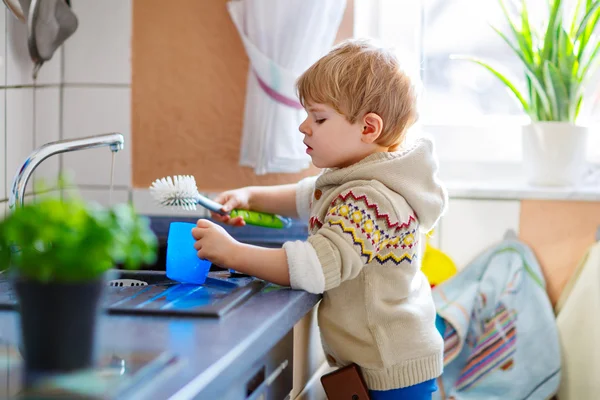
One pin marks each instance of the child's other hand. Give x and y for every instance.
(213, 243)
(232, 199)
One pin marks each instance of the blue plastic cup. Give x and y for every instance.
(183, 264)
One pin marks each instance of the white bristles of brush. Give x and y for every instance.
(176, 191)
(181, 191)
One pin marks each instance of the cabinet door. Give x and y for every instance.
(559, 233)
(308, 351)
(471, 226)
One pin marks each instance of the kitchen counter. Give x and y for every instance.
(213, 354)
(215, 357)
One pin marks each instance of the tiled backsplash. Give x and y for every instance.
(100, 50)
(84, 90)
(92, 110)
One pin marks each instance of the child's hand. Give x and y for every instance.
(232, 199)
(213, 243)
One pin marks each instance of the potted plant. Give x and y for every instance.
(558, 62)
(56, 254)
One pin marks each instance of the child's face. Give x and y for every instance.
(332, 141)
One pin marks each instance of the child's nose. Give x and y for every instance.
(304, 128)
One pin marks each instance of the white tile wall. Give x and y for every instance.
(3, 174)
(101, 196)
(19, 129)
(3, 46)
(19, 66)
(84, 90)
(28, 127)
(47, 194)
(90, 111)
(47, 129)
(100, 49)
(50, 73)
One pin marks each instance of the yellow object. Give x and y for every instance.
(436, 265)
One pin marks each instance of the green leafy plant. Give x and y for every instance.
(69, 240)
(558, 61)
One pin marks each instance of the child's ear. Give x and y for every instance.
(372, 127)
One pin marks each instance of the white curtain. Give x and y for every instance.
(282, 39)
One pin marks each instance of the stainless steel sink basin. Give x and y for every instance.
(147, 277)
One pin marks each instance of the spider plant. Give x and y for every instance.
(558, 61)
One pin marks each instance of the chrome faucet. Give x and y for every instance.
(112, 140)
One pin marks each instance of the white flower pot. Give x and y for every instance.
(554, 153)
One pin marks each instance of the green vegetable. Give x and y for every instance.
(69, 240)
(558, 62)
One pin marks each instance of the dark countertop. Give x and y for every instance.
(248, 233)
(209, 349)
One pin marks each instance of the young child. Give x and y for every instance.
(367, 212)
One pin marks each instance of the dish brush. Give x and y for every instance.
(181, 191)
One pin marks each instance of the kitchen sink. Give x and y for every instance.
(161, 256)
(149, 291)
(253, 235)
(156, 294)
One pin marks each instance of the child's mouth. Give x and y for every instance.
(308, 148)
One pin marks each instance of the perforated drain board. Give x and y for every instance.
(213, 299)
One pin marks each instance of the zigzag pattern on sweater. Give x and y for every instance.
(397, 225)
(314, 221)
(368, 253)
(371, 230)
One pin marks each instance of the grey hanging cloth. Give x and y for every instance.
(49, 24)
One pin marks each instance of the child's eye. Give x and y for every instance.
(320, 121)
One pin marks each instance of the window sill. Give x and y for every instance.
(504, 181)
(519, 191)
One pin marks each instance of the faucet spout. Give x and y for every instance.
(114, 141)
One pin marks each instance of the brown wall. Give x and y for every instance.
(559, 232)
(189, 72)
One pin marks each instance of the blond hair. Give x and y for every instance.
(357, 78)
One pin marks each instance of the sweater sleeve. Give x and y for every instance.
(363, 228)
(306, 272)
(304, 192)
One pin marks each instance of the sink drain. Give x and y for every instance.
(127, 282)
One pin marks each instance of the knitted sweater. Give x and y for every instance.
(363, 253)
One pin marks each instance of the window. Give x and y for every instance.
(458, 90)
(463, 105)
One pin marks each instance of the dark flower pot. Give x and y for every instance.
(58, 322)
